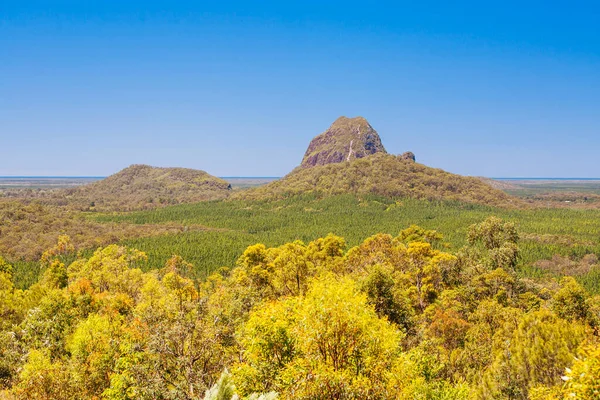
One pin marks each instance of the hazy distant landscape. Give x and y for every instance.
(529, 186)
(540, 184)
(59, 182)
(31, 182)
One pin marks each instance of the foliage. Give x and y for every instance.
(239, 224)
(222, 390)
(27, 230)
(43, 379)
(499, 239)
(391, 317)
(583, 378)
(541, 347)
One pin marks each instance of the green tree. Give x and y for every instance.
(499, 239)
(93, 347)
(389, 302)
(111, 269)
(570, 302)
(418, 374)
(292, 269)
(346, 348)
(6, 268)
(269, 345)
(48, 325)
(327, 252)
(541, 347)
(42, 379)
(328, 344)
(183, 353)
(423, 272)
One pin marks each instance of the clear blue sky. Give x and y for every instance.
(506, 88)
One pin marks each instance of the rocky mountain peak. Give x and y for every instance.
(346, 139)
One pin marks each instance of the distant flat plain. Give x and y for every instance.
(517, 185)
(45, 182)
(62, 182)
(533, 186)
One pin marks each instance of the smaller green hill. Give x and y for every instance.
(385, 175)
(142, 186)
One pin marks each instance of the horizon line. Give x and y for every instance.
(516, 178)
(103, 177)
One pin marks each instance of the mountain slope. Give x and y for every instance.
(346, 139)
(385, 175)
(143, 186)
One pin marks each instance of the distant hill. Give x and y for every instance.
(346, 139)
(350, 158)
(143, 186)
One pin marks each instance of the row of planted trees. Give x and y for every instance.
(393, 318)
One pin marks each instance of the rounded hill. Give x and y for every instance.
(143, 186)
(382, 174)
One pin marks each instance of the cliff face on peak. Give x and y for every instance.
(346, 139)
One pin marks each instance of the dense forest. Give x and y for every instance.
(211, 235)
(395, 317)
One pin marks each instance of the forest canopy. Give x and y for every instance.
(395, 317)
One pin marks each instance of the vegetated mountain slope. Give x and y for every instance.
(385, 175)
(346, 139)
(143, 186)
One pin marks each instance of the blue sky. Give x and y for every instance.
(500, 89)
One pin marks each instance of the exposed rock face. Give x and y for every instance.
(346, 139)
(408, 156)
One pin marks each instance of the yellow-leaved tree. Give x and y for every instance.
(329, 344)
